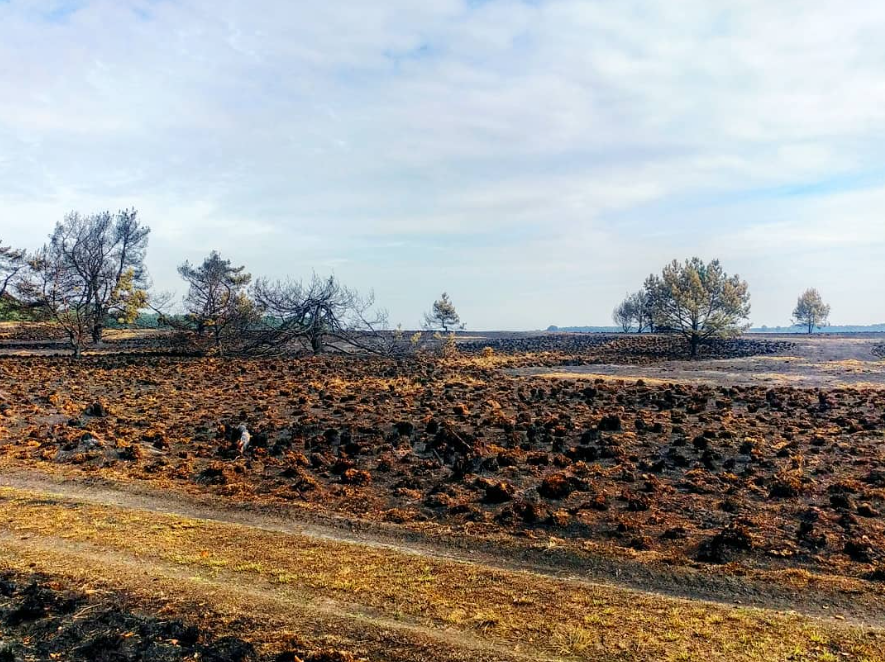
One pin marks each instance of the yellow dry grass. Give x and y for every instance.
(510, 609)
(592, 376)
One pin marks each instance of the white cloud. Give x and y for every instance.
(556, 150)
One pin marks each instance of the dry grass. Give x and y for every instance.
(514, 610)
(592, 376)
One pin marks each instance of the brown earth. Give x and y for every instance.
(715, 492)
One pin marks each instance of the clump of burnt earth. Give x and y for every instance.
(765, 477)
(590, 348)
(43, 619)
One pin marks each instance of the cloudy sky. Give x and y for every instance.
(535, 158)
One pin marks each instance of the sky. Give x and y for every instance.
(536, 159)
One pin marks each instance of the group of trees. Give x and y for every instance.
(696, 299)
(224, 304)
(701, 301)
(635, 311)
(91, 271)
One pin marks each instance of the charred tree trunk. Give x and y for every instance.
(317, 344)
(76, 345)
(217, 332)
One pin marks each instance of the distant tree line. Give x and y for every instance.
(91, 273)
(701, 301)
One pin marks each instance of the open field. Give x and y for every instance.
(813, 361)
(475, 508)
(258, 402)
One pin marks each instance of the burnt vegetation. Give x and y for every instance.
(44, 618)
(280, 393)
(765, 477)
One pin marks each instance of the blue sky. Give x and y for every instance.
(534, 159)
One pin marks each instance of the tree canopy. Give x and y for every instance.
(91, 269)
(216, 300)
(811, 312)
(442, 315)
(699, 300)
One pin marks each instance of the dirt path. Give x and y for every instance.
(386, 600)
(862, 603)
(815, 361)
(227, 592)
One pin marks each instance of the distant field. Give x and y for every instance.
(811, 361)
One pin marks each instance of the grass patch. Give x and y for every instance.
(556, 618)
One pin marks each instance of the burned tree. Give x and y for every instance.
(652, 304)
(96, 265)
(643, 310)
(323, 313)
(92, 268)
(12, 265)
(106, 251)
(442, 314)
(54, 285)
(636, 308)
(625, 314)
(216, 301)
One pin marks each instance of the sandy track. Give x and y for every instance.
(814, 362)
(862, 603)
(354, 627)
(386, 600)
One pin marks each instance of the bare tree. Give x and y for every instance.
(12, 265)
(323, 312)
(217, 301)
(643, 310)
(652, 304)
(53, 285)
(625, 314)
(700, 301)
(442, 314)
(635, 309)
(811, 312)
(101, 256)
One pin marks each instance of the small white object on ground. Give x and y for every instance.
(244, 438)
